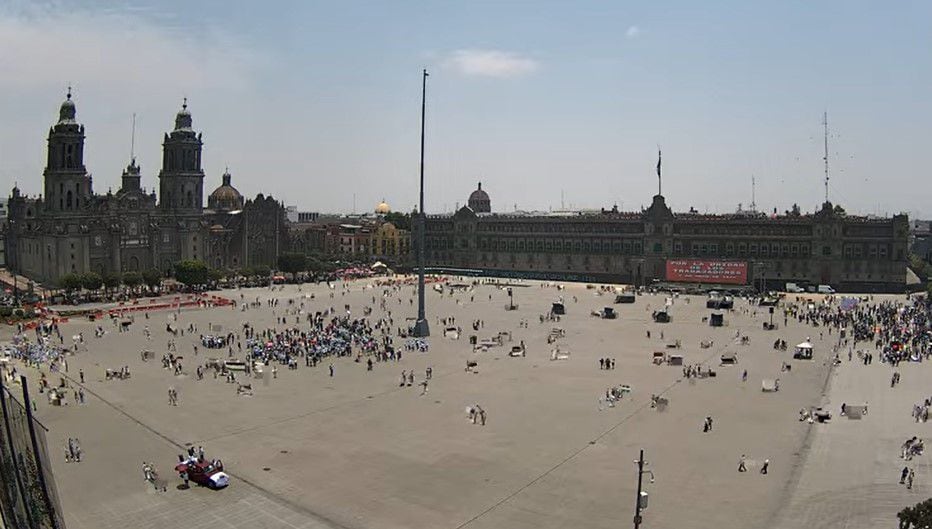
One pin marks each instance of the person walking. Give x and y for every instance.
(903, 475)
(81, 375)
(910, 478)
(742, 466)
(763, 469)
(331, 370)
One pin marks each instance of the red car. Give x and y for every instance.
(204, 473)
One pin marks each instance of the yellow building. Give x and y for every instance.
(389, 242)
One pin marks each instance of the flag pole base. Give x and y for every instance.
(421, 329)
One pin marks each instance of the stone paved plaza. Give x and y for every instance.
(358, 451)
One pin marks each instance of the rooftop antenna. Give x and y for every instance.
(562, 205)
(132, 141)
(753, 192)
(825, 158)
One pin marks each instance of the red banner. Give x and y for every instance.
(703, 271)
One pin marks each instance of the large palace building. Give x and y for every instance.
(70, 229)
(828, 247)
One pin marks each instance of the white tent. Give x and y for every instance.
(803, 351)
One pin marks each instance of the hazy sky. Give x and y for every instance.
(314, 102)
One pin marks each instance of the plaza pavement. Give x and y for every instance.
(357, 451)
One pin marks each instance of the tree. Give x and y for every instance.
(152, 277)
(132, 279)
(111, 279)
(70, 282)
(917, 517)
(402, 221)
(91, 280)
(260, 270)
(192, 272)
(292, 262)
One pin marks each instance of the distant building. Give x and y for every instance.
(366, 235)
(70, 229)
(828, 247)
(390, 243)
(920, 239)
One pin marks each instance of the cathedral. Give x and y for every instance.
(70, 229)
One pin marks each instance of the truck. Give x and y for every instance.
(793, 288)
(825, 289)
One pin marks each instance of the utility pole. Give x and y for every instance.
(421, 327)
(637, 503)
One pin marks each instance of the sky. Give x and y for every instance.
(549, 104)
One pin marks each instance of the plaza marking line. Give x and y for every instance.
(169, 440)
(796, 470)
(572, 456)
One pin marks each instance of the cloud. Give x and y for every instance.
(633, 32)
(490, 63)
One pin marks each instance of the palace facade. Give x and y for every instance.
(830, 247)
(70, 229)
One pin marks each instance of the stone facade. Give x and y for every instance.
(830, 247)
(70, 229)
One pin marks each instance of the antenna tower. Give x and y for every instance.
(132, 141)
(825, 158)
(753, 193)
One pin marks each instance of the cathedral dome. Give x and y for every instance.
(383, 208)
(479, 201)
(183, 118)
(67, 111)
(225, 197)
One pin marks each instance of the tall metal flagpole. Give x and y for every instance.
(421, 328)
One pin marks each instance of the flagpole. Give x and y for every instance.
(421, 328)
(659, 181)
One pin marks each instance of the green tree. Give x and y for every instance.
(91, 280)
(292, 262)
(70, 282)
(918, 516)
(261, 270)
(402, 221)
(132, 279)
(112, 279)
(152, 277)
(192, 272)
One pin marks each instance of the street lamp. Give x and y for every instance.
(641, 500)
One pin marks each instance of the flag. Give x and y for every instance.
(658, 164)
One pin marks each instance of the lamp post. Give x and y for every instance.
(641, 501)
(421, 328)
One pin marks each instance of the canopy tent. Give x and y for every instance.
(803, 351)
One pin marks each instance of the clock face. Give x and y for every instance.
(98, 240)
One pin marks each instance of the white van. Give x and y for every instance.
(794, 288)
(825, 289)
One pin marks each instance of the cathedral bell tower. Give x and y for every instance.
(181, 180)
(67, 184)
